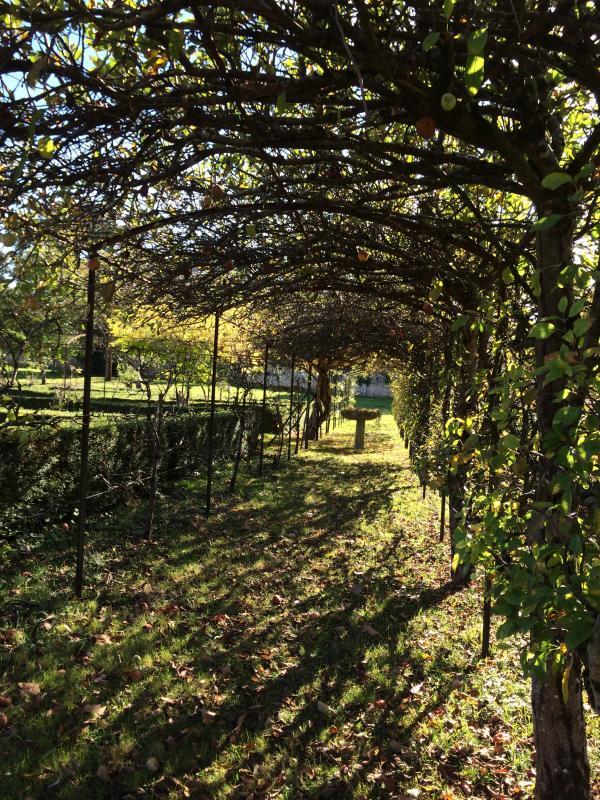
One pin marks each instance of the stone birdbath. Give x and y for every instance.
(361, 416)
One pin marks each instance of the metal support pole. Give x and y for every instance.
(211, 422)
(263, 412)
(328, 419)
(85, 427)
(298, 419)
(335, 406)
(289, 453)
(308, 399)
(443, 516)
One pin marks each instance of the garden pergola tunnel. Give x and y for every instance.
(438, 164)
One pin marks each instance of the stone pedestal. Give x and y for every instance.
(359, 435)
(360, 416)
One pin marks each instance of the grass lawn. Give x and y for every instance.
(304, 642)
(118, 389)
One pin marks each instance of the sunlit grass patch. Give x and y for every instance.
(305, 641)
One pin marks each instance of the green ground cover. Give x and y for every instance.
(303, 642)
(118, 389)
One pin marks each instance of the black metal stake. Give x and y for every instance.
(211, 421)
(308, 399)
(443, 516)
(263, 412)
(85, 429)
(289, 453)
(299, 418)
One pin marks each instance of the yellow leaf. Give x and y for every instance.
(565, 683)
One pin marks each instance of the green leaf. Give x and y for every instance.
(175, 45)
(582, 326)
(508, 628)
(507, 276)
(579, 632)
(546, 222)
(542, 330)
(281, 103)
(576, 544)
(474, 73)
(477, 42)
(585, 172)
(554, 180)
(430, 41)
(436, 291)
(566, 416)
(250, 229)
(34, 73)
(562, 304)
(9, 239)
(460, 322)
(576, 307)
(449, 8)
(46, 147)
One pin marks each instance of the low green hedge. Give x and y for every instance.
(32, 400)
(39, 466)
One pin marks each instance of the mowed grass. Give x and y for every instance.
(118, 389)
(303, 642)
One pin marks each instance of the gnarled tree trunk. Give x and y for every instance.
(562, 768)
(322, 401)
(561, 749)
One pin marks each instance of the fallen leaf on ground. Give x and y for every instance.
(324, 709)
(95, 710)
(30, 689)
(367, 628)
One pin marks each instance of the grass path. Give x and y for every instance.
(304, 642)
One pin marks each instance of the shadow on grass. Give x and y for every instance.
(270, 613)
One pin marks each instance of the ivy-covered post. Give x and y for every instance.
(211, 421)
(85, 422)
(263, 411)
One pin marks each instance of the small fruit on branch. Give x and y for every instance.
(448, 101)
(425, 127)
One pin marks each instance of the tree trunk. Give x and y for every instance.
(562, 768)
(322, 400)
(559, 723)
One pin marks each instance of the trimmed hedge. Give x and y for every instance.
(39, 466)
(33, 400)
